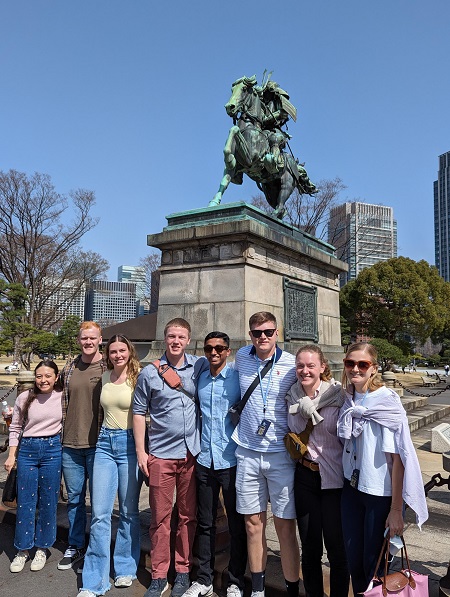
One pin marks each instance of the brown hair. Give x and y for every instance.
(374, 381)
(178, 322)
(326, 374)
(33, 393)
(261, 317)
(85, 325)
(133, 365)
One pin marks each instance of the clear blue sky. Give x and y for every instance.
(126, 98)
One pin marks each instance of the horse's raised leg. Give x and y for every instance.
(230, 163)
(222, 188)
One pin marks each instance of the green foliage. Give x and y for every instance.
(397, 299)
(388, 354)
(66, 340)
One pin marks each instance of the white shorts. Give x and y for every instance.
(264, 475)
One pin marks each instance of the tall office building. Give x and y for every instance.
(442, 217)
(363, 235)
(66, 298)
(109, 303)
(133, 273)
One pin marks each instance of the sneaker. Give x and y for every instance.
(257, 594)
(86, 593)
(157, 587)
(197, 589)
(19, 561)
(72, 555)
(39, 560)
(181, 585)
(234, 591)
(123, 581)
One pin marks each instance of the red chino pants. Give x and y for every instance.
(166, 475)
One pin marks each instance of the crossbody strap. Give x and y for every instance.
(241, 404)
(171, 378)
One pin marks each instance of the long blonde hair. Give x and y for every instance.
(374, 381)
(133, 365)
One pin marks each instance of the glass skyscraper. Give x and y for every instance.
(442, 217)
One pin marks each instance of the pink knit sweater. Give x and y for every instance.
(44, 416)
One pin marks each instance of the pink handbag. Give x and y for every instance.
(405, 582)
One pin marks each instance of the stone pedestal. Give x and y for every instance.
(220, 265)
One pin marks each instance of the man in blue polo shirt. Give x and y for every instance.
(218, 390)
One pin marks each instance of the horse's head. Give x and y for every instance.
(241, 97)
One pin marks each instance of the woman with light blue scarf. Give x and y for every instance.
(381, 469)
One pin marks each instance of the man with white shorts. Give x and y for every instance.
(264, 468)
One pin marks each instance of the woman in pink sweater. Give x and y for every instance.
(38, 413)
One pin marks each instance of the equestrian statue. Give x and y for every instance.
(256, 144)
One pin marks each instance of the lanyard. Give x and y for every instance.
(264, 393)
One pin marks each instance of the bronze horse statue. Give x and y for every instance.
(255, 141)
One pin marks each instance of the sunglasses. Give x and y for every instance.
(219, 349)
(259, 333)
(362, 365)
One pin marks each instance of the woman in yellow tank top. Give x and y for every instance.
(115, 471)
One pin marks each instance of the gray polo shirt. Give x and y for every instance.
(174, 425)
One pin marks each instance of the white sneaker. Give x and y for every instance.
(39, 560)
(85, 593)
(257, 594)
(19, 561)
(198, 590)
(234, 591)
(123, 581)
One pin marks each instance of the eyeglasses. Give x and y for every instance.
(259, 333)
(362, 365)
(219, 349)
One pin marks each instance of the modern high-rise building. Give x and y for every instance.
(109, 303)
(442, 217)
(66, 298)
(363, 235)
(133, 273)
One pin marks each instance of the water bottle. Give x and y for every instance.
(6, 412)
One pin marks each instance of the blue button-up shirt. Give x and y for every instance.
(174, 425)
(217, 395)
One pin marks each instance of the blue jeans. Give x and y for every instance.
(77, 466)
(115, 470)
(38, 481)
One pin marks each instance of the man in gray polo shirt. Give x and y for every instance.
(174, 442)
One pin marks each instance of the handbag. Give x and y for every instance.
(405, 582)
(9, 496)
(297, 443)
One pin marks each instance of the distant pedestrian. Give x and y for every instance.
(446, 369)
(38, 413)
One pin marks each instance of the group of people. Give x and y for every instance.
(351, 483)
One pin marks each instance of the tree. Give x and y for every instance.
(66, 340)
(40, 233)
(151, 264)
(309, 213)
(388, 354)
(399, 300)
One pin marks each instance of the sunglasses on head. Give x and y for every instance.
(362, 365)
(219, 349)
(259, 333)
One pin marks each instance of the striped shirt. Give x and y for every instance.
(274, 386)
(324, 446)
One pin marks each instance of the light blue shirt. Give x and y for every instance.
(216, 396)
(174, 423)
